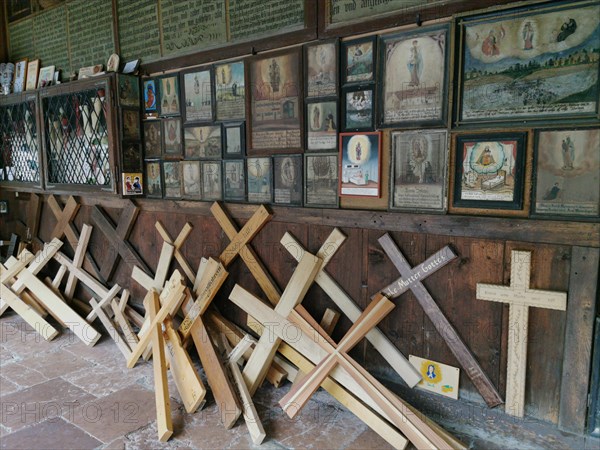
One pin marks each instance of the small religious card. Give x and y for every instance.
(260, 185)
(321, 69)
(437, 377)
(358, 113)
(153, 179)
(233, 140)
(129, 91)
(132, 156)
(172, 137)
(358, 60)
(132, 183)
(169, 95)
(202, 142)
(150, 97)
(234, 184)
(321, 125)
(287, 178)
(153, 138)
(230, 91)
(360, 164)
(321, 185)
(198, 96)
(172, 179)
(211, 180)
(192, 183)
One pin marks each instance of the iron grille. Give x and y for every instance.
(77, 138)
(19, 141)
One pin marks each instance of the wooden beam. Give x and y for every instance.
(178, 243)
(330, 320)
(110, 328)
(78, 259)
(162, 269)
(41, 259)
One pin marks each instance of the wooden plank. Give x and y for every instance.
(105, 300)
(66, 216)
(34, 213)
(80, 252)
(41, 259)
(178, 243)
(162, 269)
(88, 280)
(60, 274)
(30, 301)
(110, 328)
(127, 332)
(330, 320)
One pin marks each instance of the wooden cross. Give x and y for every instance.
(177, 244)
(29, 231)
(117, 237)
(520, 298)
(411, 280)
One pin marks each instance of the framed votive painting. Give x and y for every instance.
(169, 96)
(234, 141)
(191, 180)
(358, 112)
(358, 60)
(287, 180)
(150, 98)
(321, 71)
(234, 180)
(360, 164)
(321, 180)
(230, 91)
(153, 179)
(197, 96)
(153, 138)
(171, 132)
(321, 125)
(211, 180)
(203, 142)
(132, 184)
(260, 180)
(172, 179)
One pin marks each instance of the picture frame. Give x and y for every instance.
(132, 184)
(321, 180)
(20, 75)
(132, 156)
(418, 170)
(191, 180)
(234, 139)
(532, 60)
(259, 175)
(413, 77)
(151, 98)
(322, 125)
(168, 88)
(198, 95)
(171, 134)
(234, 180)
(321, 69)
(488, 173)
(287, 180)
(358, 108)
(203, 142)
(154, 185)
(130, 124)
(212, 180)
(46, 76)
(153, 141)
(128, 91)
(230, 91)
(358, 60)
(360, 164)
(33, 70)
(171, 180)
(276, 109)
(566, 164)
(3, 207)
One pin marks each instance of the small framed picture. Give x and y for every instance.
(20, 75)
(169, 96)
(46, 76)
(260, 180)
(172, 179)
(3, 207)
(489, 173)
(234, 140)
(321, 185)
(287, 180)
(171, 132)
(321, 125)
(153, 138)
(132, 156)
(358, 60)
(212, 183)
(132, 183)
(153, 179)
(33, 70)
(198, 95)
(234, 180)
(358, 109)
(418, 179)
(321, 68)
(130, 124)
(129, 91)
(203, 142)
(150, 98)
(230, 92)
(191, 180)
(360, 164)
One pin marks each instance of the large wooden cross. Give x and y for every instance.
(177, 244)
(29, 231)
(411, 279)
(520, 298)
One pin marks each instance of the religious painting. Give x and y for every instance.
(360, 164)
(131, 156)
(191, 180)
(150, 98)
(230, 92)
(535, 63)
(234, 180)
(20, 76)
(489, 171)
(321, 125)
(259, 176)
(33, 71)
(153, 179)
(129, 91)
(153, 138)
(202, 142)
(211, 180)
(172, 179)
(287, 180)
(131, 124)
(321, 69)
(234, 143)
(358, 60)
(358, 113)
(414, 77)
(46, 76)
(419, 170)
(321, 180)
(132, 184)
(567, 173)
(171, 132)
(169, 96)
(198, 96)
(276, 102)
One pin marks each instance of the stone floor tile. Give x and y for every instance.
(22, 375)
(6, 387)
(102, 380)
(6, 356)
(50, 434)
(147, 437)
(59, 364)
(368, 440)
(104, 352)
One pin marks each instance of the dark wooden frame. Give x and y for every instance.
(184, 96)
(244, 187)
(305, 181)
(169, 155)
(344, 60)
(270, 179)
(126, 166)
(379, 160)
(336, 45)
(159, 81)
(299, 182)
(240, 126)
(159, 162)
(3, 207)
(203, 163)
(344, 108)
(164, 180)
(182, 165)
(157, 123)
(312, 101)
(138, 135)
(215, 103)
(133, 79)
(152, 112)
(206, 125)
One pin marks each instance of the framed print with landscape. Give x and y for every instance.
(358, 60)
(276, 109)
(230, 87)
(489, 173)
(150, 98)
(566, 170)
(287, 180)
(197, 95)
(153, 179)
(153, 138)
(234, 180)
(234, 143)
(321, 71)
(169, 95)
(321, 180)
(360, 164)
(418, 178)
(203, 142)
(191, 180)
(172, 179)
(260, 177)
(33, 70)
(321, 125)
(171, 133)
(358, 112)
(211, 180)
(536, 63)
(414, 77)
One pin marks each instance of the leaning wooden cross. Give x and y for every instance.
(520, 298)
(411, 280)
